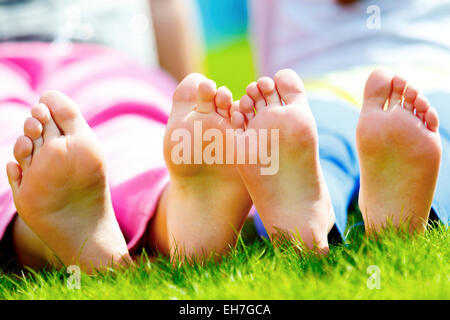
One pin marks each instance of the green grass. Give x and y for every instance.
(410, 267)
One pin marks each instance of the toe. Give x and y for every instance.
(432, 119)
(23, 150)
(64, 111)
(254, 93)
(238, 120)
(234, 107)
(421, 106)
(411, 94)
(14, 173)
(289, 86)
(206, 96)
(397, 90)
(267, 87)
(186, 93)
(247, 107)
(224, 101)
(42, 113)
(377, 90)
(37, 144)
(32, 128)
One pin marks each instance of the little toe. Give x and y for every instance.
(41, 112)
(267, 87)
(247, 107)
(23, 150)
(432, 120)
(14, 173)
(290, 86)
(224, 101)
(397, 90)
(206, 96)
(254, 93)
(411, 94)
(64, 111)
(377, 90)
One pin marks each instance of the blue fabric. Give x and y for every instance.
(441, 203)
(336, 123)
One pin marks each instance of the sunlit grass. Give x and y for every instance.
(410, 267)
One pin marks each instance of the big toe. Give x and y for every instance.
(398, 87)
(206, 96)
(186, 93)
(377, 90)
(289, 86)
(64, 111)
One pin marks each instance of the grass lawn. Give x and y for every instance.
(409, 267)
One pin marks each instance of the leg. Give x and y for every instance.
(399, 152)
(295, 199)
(180, 48)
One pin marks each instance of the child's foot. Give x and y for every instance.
(60, 188)
(294, 200)
(206, 203)
(399, 152)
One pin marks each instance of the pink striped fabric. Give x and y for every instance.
(126, 105)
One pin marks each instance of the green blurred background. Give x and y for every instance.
(229, 58)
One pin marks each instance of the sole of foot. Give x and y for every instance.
(206, 203)
(60, 188)
(399, 150)
(294, 201)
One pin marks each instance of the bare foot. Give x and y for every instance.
(294, 200)
(206, 203)
(60, 188)
(399, 153)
